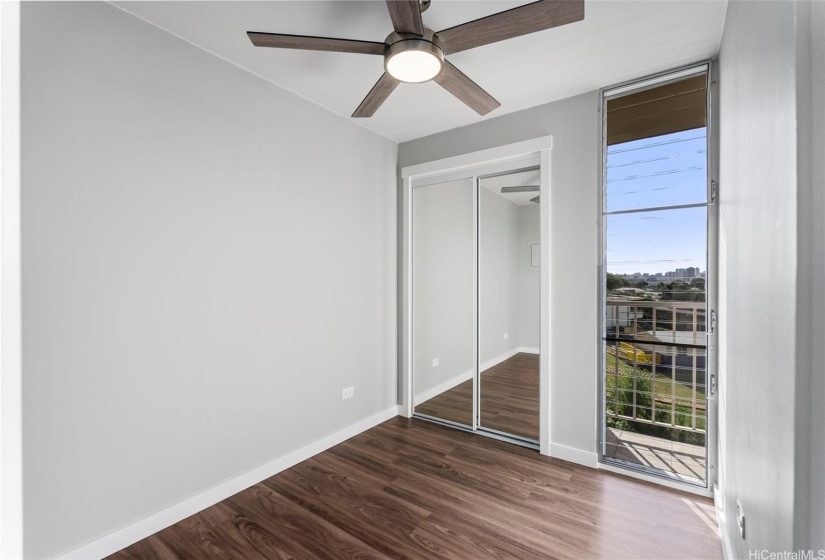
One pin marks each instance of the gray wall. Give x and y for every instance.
(529, 293)
(442, 285)
(767, 257)
(497, 277)
(573, 123)
(812, 117)
(207, 261)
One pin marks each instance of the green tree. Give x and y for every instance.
(698, 283)
(681, 291)
(614, 282)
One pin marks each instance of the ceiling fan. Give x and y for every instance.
(521, 189)
(414, 54)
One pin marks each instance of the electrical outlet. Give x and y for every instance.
(435, 362)
(740, 518)
(506, 336)
(347, 393)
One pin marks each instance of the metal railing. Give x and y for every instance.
(656, 365)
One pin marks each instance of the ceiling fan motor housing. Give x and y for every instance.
(426, 48)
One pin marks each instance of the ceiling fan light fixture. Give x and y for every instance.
(414, 60)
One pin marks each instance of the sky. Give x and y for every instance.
(661, 171)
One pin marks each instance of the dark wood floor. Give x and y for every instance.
(509, 398)
(411, 489)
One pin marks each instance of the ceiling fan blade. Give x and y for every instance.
(406, 16)
(530, 18)
(377, 95)
(520, 188)
(307, 42)
(453, 80)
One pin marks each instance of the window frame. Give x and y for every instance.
(710, 69)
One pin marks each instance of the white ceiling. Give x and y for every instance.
(618, 40)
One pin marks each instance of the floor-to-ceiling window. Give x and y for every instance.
(656, 277)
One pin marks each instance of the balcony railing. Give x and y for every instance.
(656, 368)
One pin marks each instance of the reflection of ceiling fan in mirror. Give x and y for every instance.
(521, 189)
(414, 54)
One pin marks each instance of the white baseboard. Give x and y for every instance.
(578, 456)
(498, 359)
(441, 387)
(467, 375)
(130, 534)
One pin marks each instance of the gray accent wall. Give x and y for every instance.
(208, 260)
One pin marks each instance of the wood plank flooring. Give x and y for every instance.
(509, 398)
(416, 490)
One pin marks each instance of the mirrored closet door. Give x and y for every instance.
(475, 302)
(508, 303)
(443, 248)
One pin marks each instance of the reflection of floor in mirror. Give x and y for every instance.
(509, 398)
(455, 405)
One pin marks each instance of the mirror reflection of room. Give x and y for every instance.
(508, 272)
(443, 302)
(508, 303)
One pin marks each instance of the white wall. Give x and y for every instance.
(765, 349)
(11, 414)
(498, 287)
(573, 123)
(442, 288)
(529, 294)
(207, 261)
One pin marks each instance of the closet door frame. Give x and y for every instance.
(510, 157)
